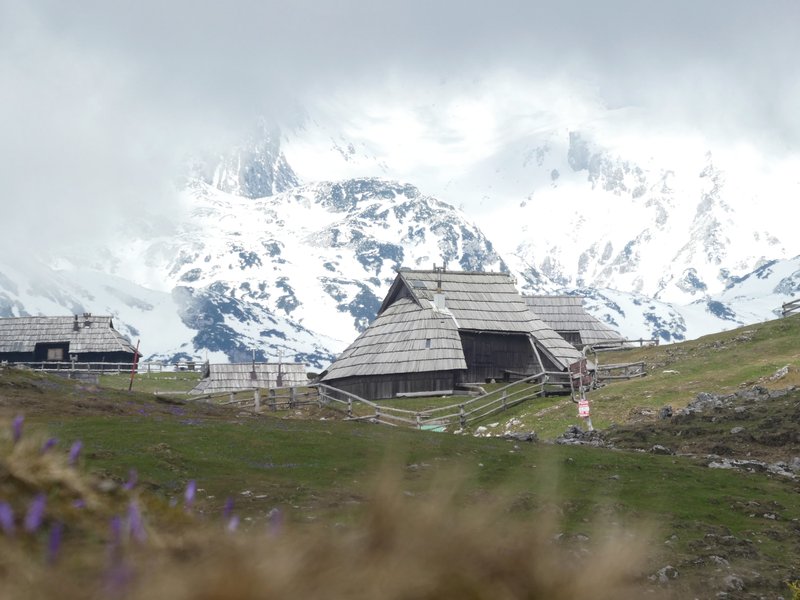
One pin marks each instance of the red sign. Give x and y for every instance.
(583, 408)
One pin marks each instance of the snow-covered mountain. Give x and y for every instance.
(255, 260)
(298, 273)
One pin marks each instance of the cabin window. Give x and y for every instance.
(428, 342)
(55, 354)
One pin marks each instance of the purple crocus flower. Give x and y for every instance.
(49, 444)
(133, 477)
(54, 542)
(16, 428)
(233, 524)
(75, 451)
(35, 514)
(136, 523)
(191, 489)
(79, 503)
(7, 518)
(227, 511)
(275, 518)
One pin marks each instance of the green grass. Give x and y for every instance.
(179, 381)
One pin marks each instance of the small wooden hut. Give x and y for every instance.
(567, 316)
(84, 338)
(247, 376)
(437, 330)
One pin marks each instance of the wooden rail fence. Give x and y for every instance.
(275, 399)
(791, 308)
(611, 372)
(458, 414)
(100, 367)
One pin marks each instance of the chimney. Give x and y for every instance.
(87, 319)
(75, 325)
(438, 301)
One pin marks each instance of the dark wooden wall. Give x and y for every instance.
(490, 355)
(378, 387)
(94, 357)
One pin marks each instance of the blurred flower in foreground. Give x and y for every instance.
(133, 477)
(16, 428)
(35, 514)
(136, 523)
(75, 451)
(227, 510)
(7, 518)
(49, 444)
(54, 542)
(191, 490)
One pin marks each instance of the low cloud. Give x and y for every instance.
(101, 102)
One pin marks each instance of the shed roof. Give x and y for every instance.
(89, 333)
(566, 313)
(247, 376)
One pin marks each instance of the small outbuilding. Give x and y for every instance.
(567, 316)
(247, 376)
(437, 330)
(79, 338)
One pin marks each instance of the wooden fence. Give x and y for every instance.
(102, 367)
(611, 372)
(791, 308)
(456, 415)
(623, 344)
(275, 399)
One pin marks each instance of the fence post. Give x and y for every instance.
(272, 401)
(504, 399)
(462, 417)
(349, 408)
(292, 397)
(377, 413)
(233, 396)
(257, 399)
(419, 421)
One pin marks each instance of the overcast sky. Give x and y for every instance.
(100, 101)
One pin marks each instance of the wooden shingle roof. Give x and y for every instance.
(417, 332)
(403, 338)
(566, 313)
(92, 334)
(248, 376)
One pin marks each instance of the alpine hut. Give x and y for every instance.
(438, 329)
(247, 376)
(567, 316)
(85, 338)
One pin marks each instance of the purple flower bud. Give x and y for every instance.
(16, 428)
(54, 542)
(233, 524)
(275, 518)
(136, 523)
(115, 538)
(79, 503)
(49, 444)
(191, 489)
(227, 511)
(133, 477)
(35, 514)
(7, 518)
(75, 451)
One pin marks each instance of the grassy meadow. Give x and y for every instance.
(168, 497)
